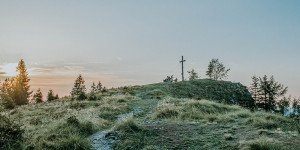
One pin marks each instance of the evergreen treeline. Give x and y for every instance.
(269, 95)
(79, 91)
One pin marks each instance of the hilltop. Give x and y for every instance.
(200, 114)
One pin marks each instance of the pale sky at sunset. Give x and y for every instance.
(141, 42)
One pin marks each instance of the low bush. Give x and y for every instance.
(11, 134)
(92, 96)
(7, 101)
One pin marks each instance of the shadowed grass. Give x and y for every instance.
(132, 136)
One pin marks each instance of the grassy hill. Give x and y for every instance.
(220, 91)
(183, 115)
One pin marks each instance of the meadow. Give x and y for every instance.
(185, 115)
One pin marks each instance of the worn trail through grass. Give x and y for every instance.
(140, 110)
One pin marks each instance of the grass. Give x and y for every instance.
(231, 93)
(185, 109)
(232, 123)
(132, 136)
(169, 116)
(264, 143)
(66, 124)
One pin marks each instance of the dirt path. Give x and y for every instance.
(145, 107)
(98, 140)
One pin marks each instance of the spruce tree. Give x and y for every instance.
(50, 95)
(99, 87)
(254, 89)
(38, 96)
(93, 87)
(283, 104)
(56, 96)
(296, 107)
(193, 75)
(269, 92)
(79, 89)
(20, 85)
(6, 87)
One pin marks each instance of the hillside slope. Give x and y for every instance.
(220, 91)
(151, 117)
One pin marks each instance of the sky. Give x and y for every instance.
(141, 42)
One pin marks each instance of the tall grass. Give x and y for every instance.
(189, 109)
(185, 109)
(262, 143)
(132, 136)
(65, 124)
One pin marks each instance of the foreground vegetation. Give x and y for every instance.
(166, 116)
(62, 124)
(201, 124)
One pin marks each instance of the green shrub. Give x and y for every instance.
(11, 134)
(92, 96)
(82, 96)
(7, 101)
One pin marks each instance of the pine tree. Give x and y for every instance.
(254, 88)
(216, 70)
(56, 96)
(193, 74)
(50, 95)
(38, 96)
(263, 92)
(99, 87)
(20, 85)
(93, 87)
(6, 87)
(296, 107)
(283, 104)
(79, 89)
(269, 92)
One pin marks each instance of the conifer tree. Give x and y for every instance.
(254, 88)
(99, 87)
(6, 87)
(269, 92)
(296, 107)
(20, 85)
(79, 89)
(93, 87)
(50, 95)
(283, 104)
(56, 96)
(193, 74)
(38, 96)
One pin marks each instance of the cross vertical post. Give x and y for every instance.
(182, 60)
